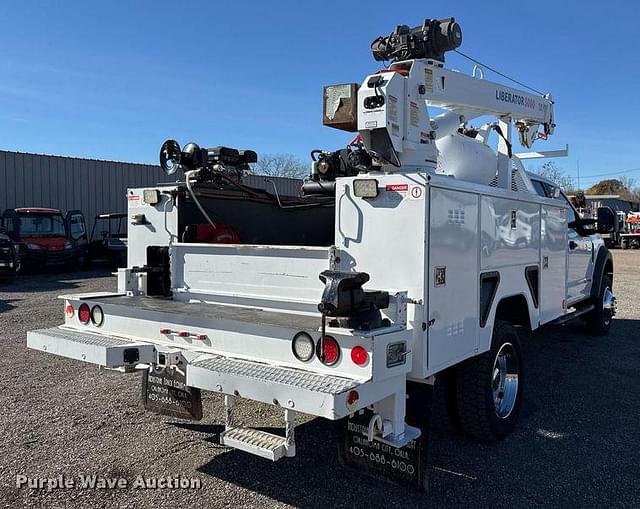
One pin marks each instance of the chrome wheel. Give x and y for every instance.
(608, 305)
(504, 380)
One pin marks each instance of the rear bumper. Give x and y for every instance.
(295, 389)
(107, 351)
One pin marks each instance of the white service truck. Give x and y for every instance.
(415, 252)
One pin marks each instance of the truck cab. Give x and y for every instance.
(46, 237)
(586, 249)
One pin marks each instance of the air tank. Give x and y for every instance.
(466, 158)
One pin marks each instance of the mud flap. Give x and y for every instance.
(165, 392)
(406, 466)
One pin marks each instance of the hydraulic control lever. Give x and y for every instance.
(345, 300)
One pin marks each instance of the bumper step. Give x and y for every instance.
(293, 389)
(257, 442)
(107, 351)
(260, 443)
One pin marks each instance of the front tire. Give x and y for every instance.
(599, 320)
(489, 387)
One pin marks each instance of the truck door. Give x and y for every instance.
(77, 231)
(579, 259)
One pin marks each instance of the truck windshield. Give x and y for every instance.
(41, 225)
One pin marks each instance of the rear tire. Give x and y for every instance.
(599, 320)
(489, 387)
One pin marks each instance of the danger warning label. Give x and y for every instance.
(398, 188)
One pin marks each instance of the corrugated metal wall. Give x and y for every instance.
(94, 187)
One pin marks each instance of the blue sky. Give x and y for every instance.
(112, 80)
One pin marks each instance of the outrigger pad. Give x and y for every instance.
(406, 466)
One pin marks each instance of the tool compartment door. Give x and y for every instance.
(452, 277)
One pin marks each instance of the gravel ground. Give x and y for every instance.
(578, 443)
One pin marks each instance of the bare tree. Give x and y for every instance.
(631, 185)
(280, 165)
(550, 170)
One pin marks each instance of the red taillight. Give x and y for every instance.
(201, 337)
(165, 331)
(328, 351)
(84, 313)
(183, 334)
(352, 399)
(69, 311)
(359, 355)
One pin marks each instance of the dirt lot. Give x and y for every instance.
(578, 443)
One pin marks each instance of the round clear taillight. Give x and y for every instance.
(328, 351)
(302, 346)
(97, 316)
(84, 313)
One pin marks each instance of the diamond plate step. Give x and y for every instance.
(307, 380)
(100, 349)
(319, 394)
(260, 443)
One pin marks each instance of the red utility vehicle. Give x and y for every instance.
(45, 237)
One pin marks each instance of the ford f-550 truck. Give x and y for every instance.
(415, 252)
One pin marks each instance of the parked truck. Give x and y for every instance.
(618, 229)
(630, 238)
(416, 253)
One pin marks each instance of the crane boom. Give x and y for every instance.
(454, 90)
(474, 97)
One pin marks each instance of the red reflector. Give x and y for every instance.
(201, 337)
(328, 351)
(68, 310)
(352, 398)
(84, 313)
(359, 355)
(183, 334)
(165, 331)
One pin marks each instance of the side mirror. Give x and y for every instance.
(607, 220)
(585, 226)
